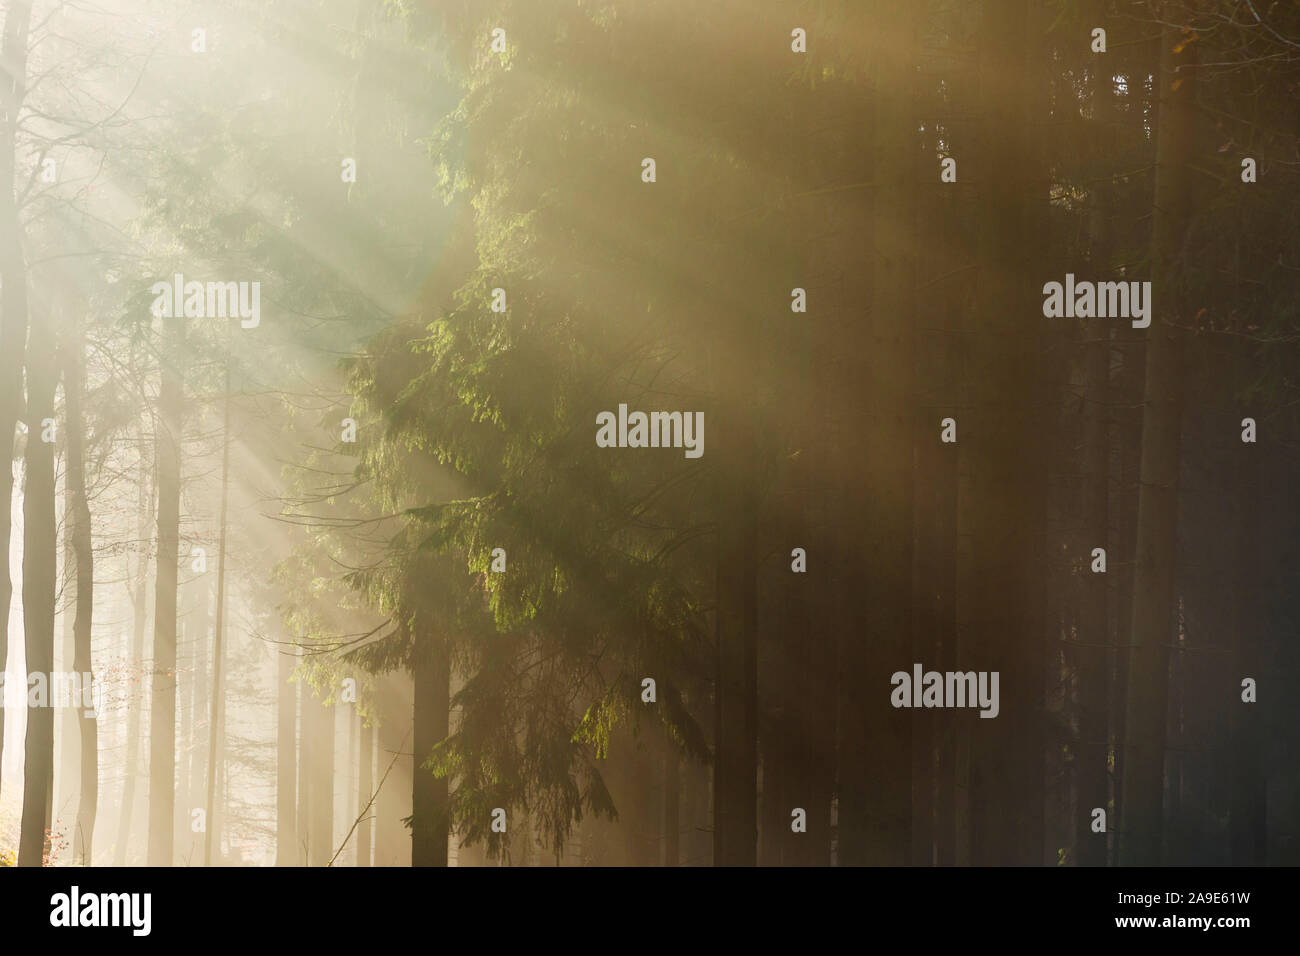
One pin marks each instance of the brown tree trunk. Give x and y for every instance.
(392, 842)
(135, 700)
(1141, 829)
(306, 763)
(1003, 437)
(807, 680)
(199, 622)
(74, 384)
(216, 712)
(286, 825)
(735, 835)
(885, 484)
(1091, 657)
(735, 788)
(162, 718)
(1247, 806)
(365, 789)
(40, 544)
(1090, 652)
(321, 781)
(935, 506)
(429, 825)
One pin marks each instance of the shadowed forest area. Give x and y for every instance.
(650, 432)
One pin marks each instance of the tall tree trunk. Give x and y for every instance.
(1247, 805)
(392, 842)
(1141, 829)
(735, 788)
(1007, 472)
(321, 781)
(1142, 104)
(74, 384)
(13, 294)
(306, 763)
(735, 834)
(40, 545)
(216, 717)
(856, 662)
(67, 736)
(200, 618)
(162, 719)
(286, 824)
(135, 698)
(185, 661)
(1128, 438)
(1091, 654)
(365, 789)
(351, 809)
(807, 701)
(429, 823)
(934, 631)
(886, 481)
(792, 763)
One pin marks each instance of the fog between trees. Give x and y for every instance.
(477, 432)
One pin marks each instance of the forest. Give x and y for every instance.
(357, 358)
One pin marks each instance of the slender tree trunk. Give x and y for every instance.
(201, 618)
(886, 482)
(735, 806)
(1090, 654)
(365, 788)
(428, 793)
(808, 616)
(735, 834)
(135, 699)
(1142, 104)
(1247, 806)
(306, 764)
(74, 384)
(67, 735)
(321, 771)
(1091, 657)
(934, 614)
(852, 534)
(13, 294)
(162, 720)
(931, 637)
(1128, 418)
(216, 716)
(1141, 829)
(40, 545)
(350, 786)
(780, 744)
(286, 824)
(942, 580)
(185, 659)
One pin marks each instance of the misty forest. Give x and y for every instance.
(650, 432)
